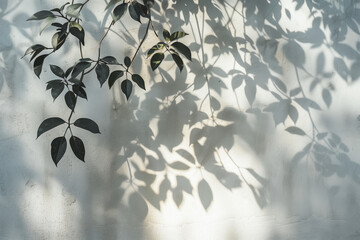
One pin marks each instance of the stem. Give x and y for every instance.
(142, 41)
(102, 39)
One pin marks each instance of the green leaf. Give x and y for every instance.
(127, 61)
(73, 10)
(77, 147)
(49, 124)
(102, 73)
(134, 13)
(77, 31)
(55, 40)
(70, 100)
(177, 35)
(87, 124)
(126, 87)
(139, 80)
(58, 40)
(296, 131)
(115, 75)
(79, 67)
(58, 149)
(46, 23)
(63, 6)
(179, 62)
(156, 60)
(155, 48)
(57, 71)
(119, 11)
(166, 35)
(184, 50)
(41, 15)
(110, 60)
(33, 48)
(78, 90)
(38, 63)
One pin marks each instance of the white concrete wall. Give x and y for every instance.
(238, 175)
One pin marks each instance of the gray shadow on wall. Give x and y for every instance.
(145, 130)
(16, 179)
(257, 69)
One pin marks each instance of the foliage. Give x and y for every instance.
(66, 21)
(261, 50)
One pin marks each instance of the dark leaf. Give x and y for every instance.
(58, 40)
(38, 63)
(115, 75)
(79, 67)
(134, 12)
(87, 124)
(179, 62)
(177, 35)
(41, 15)
(78, 90)
(58, 149)
(166, 35)
(139, 80)
(68, 71)
(112, 3)
(110, 60)
(156, 60)
(77, 147)
(78, 31)
(70, 100)
(76, 81)
(53, 83)
(57, 90)
(184, 50)
(296, 131)
(57, 71)
(127, 61)
(119, 11)
(102, 73)
(141, 9)
(126, 87)
(49, 124)
(156, 47)
(33, 48)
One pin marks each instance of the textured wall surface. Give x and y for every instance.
(202, 154)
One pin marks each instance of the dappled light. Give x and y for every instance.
(247, 129)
